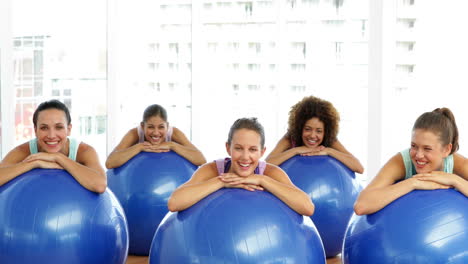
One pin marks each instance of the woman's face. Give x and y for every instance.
(313, 132)
(245, 151)
(155, 130)
(427, 152)
(52, 131)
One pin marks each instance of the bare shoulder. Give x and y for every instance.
(85, 153)
(284, 142)
(460, 165)
(179, 136)
(132, 134)
(459, 158)
(23, 148)
(274, 171)
(391, 172)
(204, 172)
(129, 139)
(16, 155)
(177, 133)
(210, 168)
(282, 145)
(339, 146)
(83, 147)
(175, 130)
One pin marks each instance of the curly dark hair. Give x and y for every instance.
(307, 108)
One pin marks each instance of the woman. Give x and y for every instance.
(53, 149)
(312, 130)
(430, 163)
(245, 146)
(154, 135)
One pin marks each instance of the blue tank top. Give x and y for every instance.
(223, 166)
(411, 170)
(72, 147)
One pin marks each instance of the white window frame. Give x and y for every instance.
(381, 23)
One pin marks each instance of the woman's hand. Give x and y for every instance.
(250, 183)
(47, 165)
(157, 148)
(438, 177)
(317, 151)
(44, 156)
(44, 160)
(426, 181)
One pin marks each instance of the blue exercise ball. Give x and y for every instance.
(421, 227)
(237, 226)
(333, 189)
(143, 186)
(46, 216)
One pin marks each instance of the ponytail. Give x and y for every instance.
(441, 122)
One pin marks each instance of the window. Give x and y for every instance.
(52, 61)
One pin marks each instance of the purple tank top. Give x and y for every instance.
(141, 134)
(223, 166)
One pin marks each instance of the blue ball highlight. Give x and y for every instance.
(237, 226)
(143, 186)
(46, 216)
(333, 189)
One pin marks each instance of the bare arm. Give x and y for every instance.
(182, 146)
(125, 150)
(461, 169)
(86, 169)
(279, 184)
(339, 152)
(457, 179)
(14, 165)
(383, 190)
(282, 152)
(276, 181)
(203, 182)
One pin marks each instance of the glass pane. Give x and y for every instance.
(60, 52)
(153, 59)
(429, 69)
(249, 58)
(261, 57)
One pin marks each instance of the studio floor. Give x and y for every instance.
(144, 260)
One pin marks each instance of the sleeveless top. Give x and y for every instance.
(72, 147)
(141, 134)
(411, 170)
(223, 166)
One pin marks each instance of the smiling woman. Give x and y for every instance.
(312, 131)
(153, 135)
(53, 149)
(431, 163)
(245, 146)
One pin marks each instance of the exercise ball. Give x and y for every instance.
(237, 226)
(421, 227)
(46, 216)
(333, 189)
(143, 186)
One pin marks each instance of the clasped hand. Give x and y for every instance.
(317, 151)
(435, 180)
(44, 160)
(158, 148)
(250, 183)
